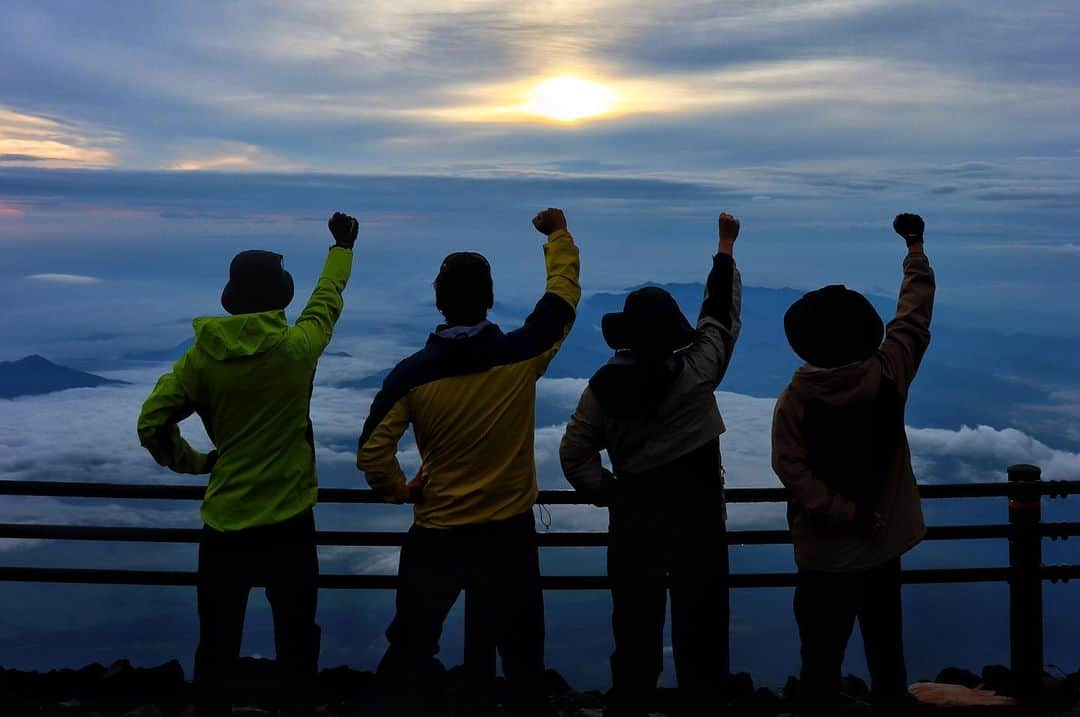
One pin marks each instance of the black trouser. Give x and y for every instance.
(826, 606)
(669, 530)
(497, 564)
(282, 558)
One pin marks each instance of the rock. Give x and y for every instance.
(345, 681)
(767, 702)
(948, 695)
(998, 678)
(957, 676)
(120, 667)
(555, 684)
(89, 676)
(853, 686)
(790, 693)
(740, 684)
(145, 711)
(121, 680)
(1060, 693)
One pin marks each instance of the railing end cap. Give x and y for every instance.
(1024, 472)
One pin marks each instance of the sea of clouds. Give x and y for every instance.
(89, 435)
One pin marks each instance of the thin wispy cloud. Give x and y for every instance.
(27, 139)
(75, 279)
(368, 87)
(1065, 249)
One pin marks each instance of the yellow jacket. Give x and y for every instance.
(470, 395)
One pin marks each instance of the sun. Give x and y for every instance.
(567, 99)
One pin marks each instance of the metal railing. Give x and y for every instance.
(1025, 532)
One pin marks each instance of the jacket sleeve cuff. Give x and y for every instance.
(338, 263)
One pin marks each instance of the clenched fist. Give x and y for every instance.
(729, 227)
(909, 226)
(344, 229)
(549, 221)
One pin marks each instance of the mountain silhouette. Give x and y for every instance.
(36, 375)
(967, 377)
(170, 354)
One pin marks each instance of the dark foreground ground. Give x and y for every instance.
(123, 690)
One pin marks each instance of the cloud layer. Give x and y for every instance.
(412, 85)
(88, 434)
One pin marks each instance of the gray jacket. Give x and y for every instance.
(640, 435)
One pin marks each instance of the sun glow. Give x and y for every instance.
(567, 99)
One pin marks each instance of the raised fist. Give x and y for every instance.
(344, 229)
(549, 221)
(729, 227)
(909, 226)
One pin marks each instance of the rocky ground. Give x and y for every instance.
(122, 690)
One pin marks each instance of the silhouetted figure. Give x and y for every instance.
(840, 447)
(470, 396)
(653, 408)
(249, 377)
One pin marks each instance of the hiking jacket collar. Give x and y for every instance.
(837, 386)
(460, 332)
(240, 336)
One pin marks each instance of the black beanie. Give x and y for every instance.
(464, 288)
(833, 326)
(257, 282)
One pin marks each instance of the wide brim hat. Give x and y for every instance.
(833, 326)
(258, 282)
(651, 322)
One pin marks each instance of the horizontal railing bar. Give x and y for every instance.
(63, 489)
(1058, 573)
(380, 538)
(96, 577)
(550, 582)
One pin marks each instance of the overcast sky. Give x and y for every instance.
(142, 144)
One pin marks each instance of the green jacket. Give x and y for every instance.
(249, 377)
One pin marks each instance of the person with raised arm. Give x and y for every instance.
(470, 397)
(249, 377)
(653, 408)
(840, 447)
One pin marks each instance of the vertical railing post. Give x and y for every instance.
(1025, 585)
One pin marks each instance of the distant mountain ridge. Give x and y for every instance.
(170, 354)
(968, 376)
(35, 375)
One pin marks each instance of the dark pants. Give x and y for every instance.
(669, 530)
(282, 558)
(826, 606)
(497, 564)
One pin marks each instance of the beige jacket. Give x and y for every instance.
(641, 438)
(811, 502)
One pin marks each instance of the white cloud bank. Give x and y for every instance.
(89, 434)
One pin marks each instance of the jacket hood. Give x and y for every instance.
(240, 336)
(628, 388)
(836, 386)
